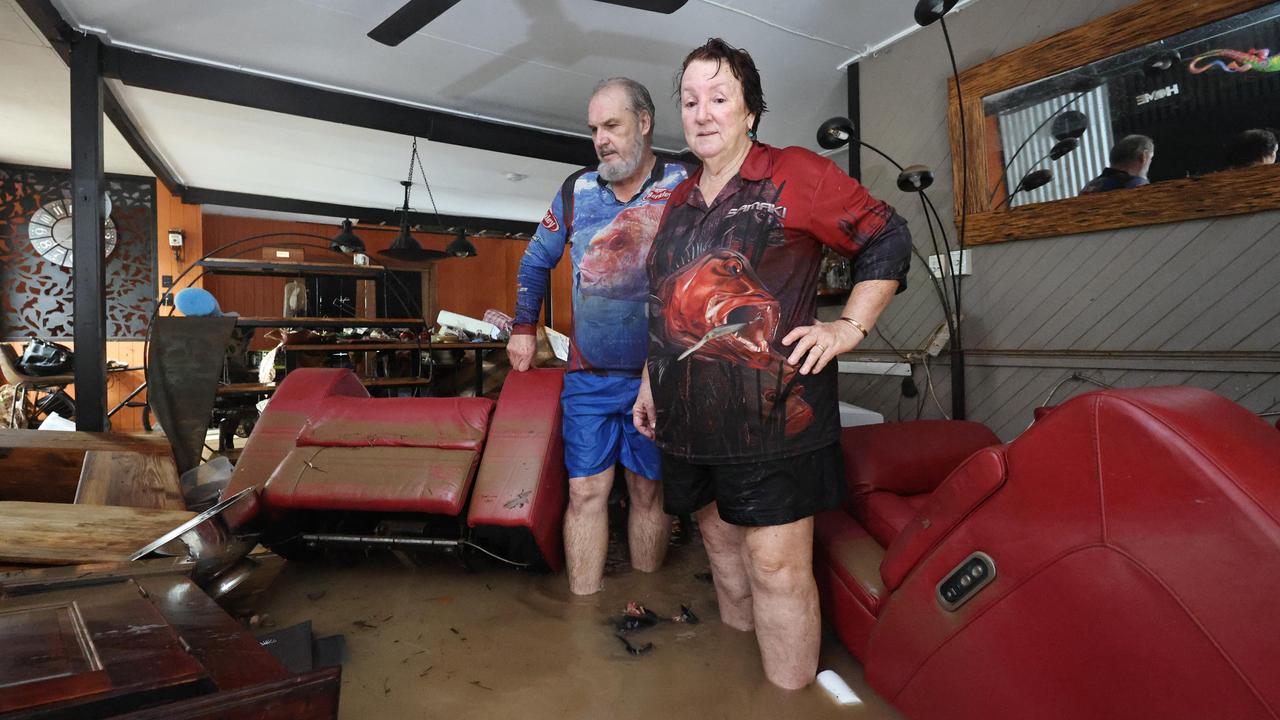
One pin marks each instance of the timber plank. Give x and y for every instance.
(149, 443)
(130, 479)
(62, 534)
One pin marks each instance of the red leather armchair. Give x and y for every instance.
(331, 464)
(1133, 538)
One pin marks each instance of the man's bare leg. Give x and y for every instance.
(725, 550)
(586, 531)
(648, 527)
(785, 601)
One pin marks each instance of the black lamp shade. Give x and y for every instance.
(461, 246)
(1070, 124)
(1160, 62)
(915, 178)
(406, 248)
(1064, 147)
(346, 241)
(929, 12)
(835, 133)
(1035, 179)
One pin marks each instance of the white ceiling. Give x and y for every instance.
(528, 62)
(35, 115)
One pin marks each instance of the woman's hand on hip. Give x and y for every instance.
(817, 344)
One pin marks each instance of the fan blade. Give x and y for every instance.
(409, 19)
(665, 7)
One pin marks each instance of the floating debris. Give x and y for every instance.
(636, 617)
(632, 649)
(313, 597)
(686, 616)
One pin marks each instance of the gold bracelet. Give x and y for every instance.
(859, 326)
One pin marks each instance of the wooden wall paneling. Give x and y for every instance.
(464, 285)
(1069, 295)
(1208, 261)
(1263, 397)
(1190, 323)
(1169, 244)
(1029, 290)
(1120, 272)
(1247, 331)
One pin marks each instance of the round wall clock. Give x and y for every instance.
(49, 231)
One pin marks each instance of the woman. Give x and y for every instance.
(739, 390)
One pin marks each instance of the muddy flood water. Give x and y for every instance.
(433, 640)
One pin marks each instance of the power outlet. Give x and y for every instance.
(961, 263)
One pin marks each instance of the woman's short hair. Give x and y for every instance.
(742, 67)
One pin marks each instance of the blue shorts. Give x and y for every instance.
(598, 432)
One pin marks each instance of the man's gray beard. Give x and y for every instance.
(621, 171)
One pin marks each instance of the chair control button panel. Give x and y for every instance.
(966, 580)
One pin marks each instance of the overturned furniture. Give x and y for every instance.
(336, 468)
(1119, 559)
(140, 641)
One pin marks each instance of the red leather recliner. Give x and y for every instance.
(1134, 539)
(333, 465)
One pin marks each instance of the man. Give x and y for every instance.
(1130, 163)
(608, 217)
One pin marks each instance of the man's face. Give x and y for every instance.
(617, 133)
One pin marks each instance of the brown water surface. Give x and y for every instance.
(434, 641)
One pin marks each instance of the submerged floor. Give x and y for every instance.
(434, 641)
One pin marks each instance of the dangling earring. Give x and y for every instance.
(751, 134)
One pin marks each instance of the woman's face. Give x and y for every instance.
(713, 111)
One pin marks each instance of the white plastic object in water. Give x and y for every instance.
(837, 688)
(851, 416)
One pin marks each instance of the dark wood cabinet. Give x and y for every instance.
(105, 644)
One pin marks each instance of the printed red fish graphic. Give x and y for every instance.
(718, 308)
(614, 263)
(718, 289)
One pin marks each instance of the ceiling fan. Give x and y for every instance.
(415, 14)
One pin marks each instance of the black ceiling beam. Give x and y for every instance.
(368, 216)
(208, 82)
(60, 35)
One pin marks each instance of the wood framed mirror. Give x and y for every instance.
(1142, 64)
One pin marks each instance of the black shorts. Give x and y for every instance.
(771, 492)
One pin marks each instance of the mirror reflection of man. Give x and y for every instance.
(1130, 162)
